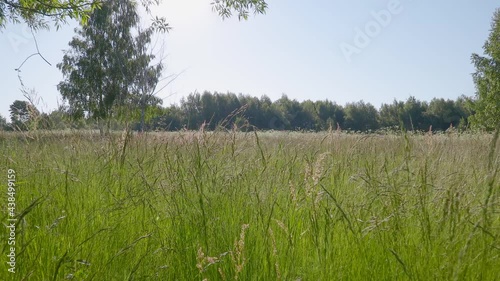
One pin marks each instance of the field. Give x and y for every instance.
(252, 206)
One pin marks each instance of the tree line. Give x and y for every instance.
(228, 110)
(244, 112)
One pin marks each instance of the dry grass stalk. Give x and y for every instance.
(203, 261)
(312, 177)
(238, 255)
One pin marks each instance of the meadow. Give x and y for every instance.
(252, 206)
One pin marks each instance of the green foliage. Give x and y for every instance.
(487, 80)
(220, 110)
(3, 123)
(361, 116)
(330, 114)
(226, 8)
(107, 71)
(415, 115)
(410, 115)
(23, 115)
(36, 12)
(217, 110)
(390, 115)
(264, 206)
(289, 113)
(444, 114)
(258, 112)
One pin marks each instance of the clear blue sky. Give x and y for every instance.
(297, 48)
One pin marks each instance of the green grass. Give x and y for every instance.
(266, 206)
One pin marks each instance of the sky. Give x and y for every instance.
(340, 50)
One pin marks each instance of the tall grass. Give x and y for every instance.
(253, 206)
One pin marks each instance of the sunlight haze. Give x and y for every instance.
(423, 50)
